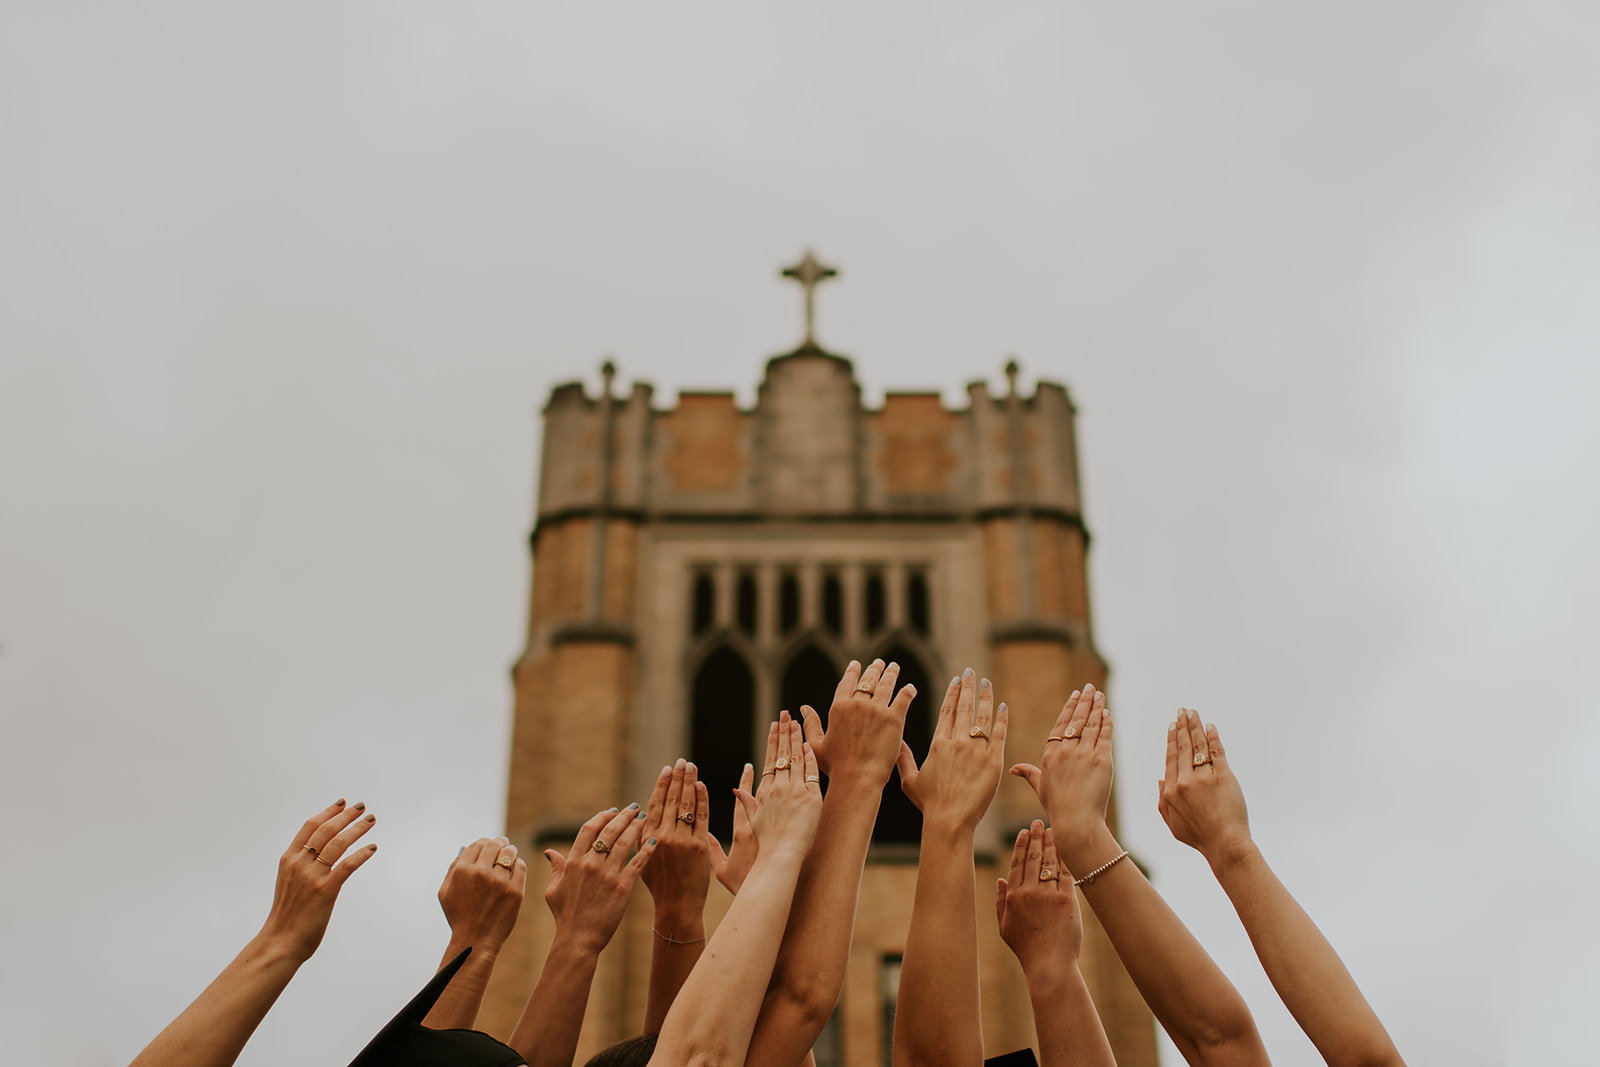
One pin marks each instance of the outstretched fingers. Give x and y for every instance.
(847, 684)
(945, 725)
(313, 824)
(330, 852)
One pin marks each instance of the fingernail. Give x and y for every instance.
(635, 804)
(984, 682)
(360, 804)
(370, 818)
(339, 803)
(1172, 727)
(639, 816)
(460, 850)
(680, 764)
(967, 673)
(666, 770)
(855, 663)
(372, 848)
(748, 767)
(1074, 696)
(955, 680)
(651, 842)
(1002, 705)
(549, 858)
(612, 810)
(1210, 726)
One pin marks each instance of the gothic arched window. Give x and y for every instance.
(705, 603)
(745, 603)
(811, 679)
(721, 739)
(917, 610)
(788, 602)
(877, 603)
(899, 821)
(832, 604)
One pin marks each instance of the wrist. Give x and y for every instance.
(483, 947)
(274, 950)
(858, 780)
(679, 922)
(1083, 848)
(1228, 855)
(947, 834)
(1048, 972)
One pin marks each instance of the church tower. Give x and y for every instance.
(697, 568)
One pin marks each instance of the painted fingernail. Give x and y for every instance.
(651, 841)
(460, 850)
(984, 682)
(339, 803)
(967, 673)
(955, 680)
(635, 804)
(360, 804)
(639, 816)
(549, 858)
(612, 810)
(372, 848)
(370, 818)
(1002, 705)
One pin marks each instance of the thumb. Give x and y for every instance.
(719, 858)
(747, 802)
(906, 763)
(558, 862)
(1030, 774)
(1000, 889)
(812, 722)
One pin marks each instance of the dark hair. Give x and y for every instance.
(634, 1052)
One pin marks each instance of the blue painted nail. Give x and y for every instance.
(460, 850)
(967, 673)
(612, 810)
(651, 841)
(639, 816)
(984, 683)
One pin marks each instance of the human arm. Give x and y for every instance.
(857, 752)
(587, 894)
(1039, 920)
(481, 897)
(1204, 807)
(212, 1031)
(937, 1019)
(678, 878)
(710, 1023)
(1187, 992)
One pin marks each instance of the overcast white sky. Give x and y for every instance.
(282, 288)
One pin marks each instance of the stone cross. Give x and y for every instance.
(809, 273)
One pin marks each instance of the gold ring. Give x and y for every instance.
(866, 687)
(1069, 733)
(1047, 874)
(325, 863)
(310, 848)
(686, 817)
(782, 764)
(1054, 737)
(978, 731)
(1202, 758)
(502, 863)
(814, 778)
(601, 847)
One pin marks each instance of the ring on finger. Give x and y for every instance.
(1048, 874)
(978, 731)
(311, 849)
(602, 847)
(782, 764)
(866, 687)
(1202, 758)
(814, 778)
(325, 863)
(686, 817)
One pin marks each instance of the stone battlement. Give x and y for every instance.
(808, 449)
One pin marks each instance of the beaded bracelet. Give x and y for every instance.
(673, 940)
(1102, 869)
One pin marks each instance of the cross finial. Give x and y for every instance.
(809, 273)
(1011, 375)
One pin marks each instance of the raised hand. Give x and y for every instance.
(956, 783)
(212, 1031)
(310, 875)
(1200, 799)
(731, 866)
(679, 874)
(1036, 904)
(482, 894)
(1074, 784)
(589, 887)
(791, 792)
(481, 897)
(865, 723)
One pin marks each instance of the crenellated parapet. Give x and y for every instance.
(809, 449)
